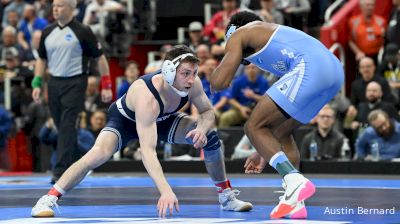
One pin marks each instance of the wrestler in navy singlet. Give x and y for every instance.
(121, 120)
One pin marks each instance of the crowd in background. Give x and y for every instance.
(352, 127)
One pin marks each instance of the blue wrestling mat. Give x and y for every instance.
(132, 198)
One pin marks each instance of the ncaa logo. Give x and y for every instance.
(68, 37)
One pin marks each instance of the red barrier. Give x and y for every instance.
(20, 157)
(336, 31)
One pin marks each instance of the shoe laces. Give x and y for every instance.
(50, 203)
(280, 192)
(231, 195)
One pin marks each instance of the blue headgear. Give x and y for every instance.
(232, 28)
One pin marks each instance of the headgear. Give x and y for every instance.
(168, 69)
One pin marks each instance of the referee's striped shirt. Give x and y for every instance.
(67, 49)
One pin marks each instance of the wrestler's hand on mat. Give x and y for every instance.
(167, 201)
(198, 137)
(254, 164)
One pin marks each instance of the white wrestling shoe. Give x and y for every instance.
(298, 189)
(44, 207)
(229, 202)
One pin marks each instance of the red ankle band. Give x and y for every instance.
(223, 185)
(54, 192)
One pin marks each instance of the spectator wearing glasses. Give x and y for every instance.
(329, 140)
(384, 133)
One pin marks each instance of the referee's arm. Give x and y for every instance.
(40, 68)
(104, 69)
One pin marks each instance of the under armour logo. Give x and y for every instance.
(283, 87)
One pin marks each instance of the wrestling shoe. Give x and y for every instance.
(44, 207)
(298, 189)
(229, 202)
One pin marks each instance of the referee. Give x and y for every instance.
(65, 48)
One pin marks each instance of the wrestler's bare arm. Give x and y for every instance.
(147, 110)
(203, 105)
(223, 74)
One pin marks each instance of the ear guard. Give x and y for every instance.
(168, 68)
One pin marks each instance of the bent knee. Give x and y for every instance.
(97, 156)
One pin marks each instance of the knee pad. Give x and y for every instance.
(212, 151)
(213, 141)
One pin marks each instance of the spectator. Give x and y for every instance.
(295, 12)
(246, 90)
(329, 141)
(5, 126)
(9, 37)
(269, 13)
(97, 122)
(17, 7)
(218, 99)
(29, 24)
(97, 11)
(195, 36)
(12, 19)
(366, 31)
(48, 135)
(384, 133)
(203, 53)
(93, 100)
(243, 149)
(131, 74)
(44, 10)
(358, 87)
(156, 65)
(374, 101)
(390, 68)
(21, 77)
(215, 28)
(29, 56)
(393, 30)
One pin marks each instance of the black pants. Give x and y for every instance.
(66, 101)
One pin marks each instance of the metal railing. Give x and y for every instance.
(342, 57)
(181, 34)
(329, 11)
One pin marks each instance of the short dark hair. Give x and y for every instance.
(242, 18)
(179, 50)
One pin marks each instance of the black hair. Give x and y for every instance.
(179, 50)
(242, 18)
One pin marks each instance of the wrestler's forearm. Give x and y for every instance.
(154, 169)
(206, 121)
